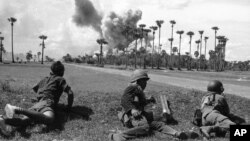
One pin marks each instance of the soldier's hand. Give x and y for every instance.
(135, 113)
(152, 99)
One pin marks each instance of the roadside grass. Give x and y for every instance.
(97, 101)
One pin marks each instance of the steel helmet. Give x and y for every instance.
(139, 74)
(215, 86)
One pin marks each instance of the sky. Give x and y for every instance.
(54, 18)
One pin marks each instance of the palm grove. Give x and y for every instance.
(139, 55)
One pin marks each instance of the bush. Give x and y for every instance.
(91, 61)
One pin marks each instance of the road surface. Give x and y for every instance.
(242, 91)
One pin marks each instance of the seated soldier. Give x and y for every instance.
(215, 111)
(49, 92)
(140, 122)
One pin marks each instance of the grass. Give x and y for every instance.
(97, 101)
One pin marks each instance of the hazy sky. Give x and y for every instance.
(54, 19)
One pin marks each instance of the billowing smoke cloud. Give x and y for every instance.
(87, 15)
(113, 27)
(110, 27)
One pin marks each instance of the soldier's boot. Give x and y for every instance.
(222, 132)
(186, 135)
(181, 135)
(207, 130)
(191, 134)
(115, 137)
(3, 127)
(10, 110)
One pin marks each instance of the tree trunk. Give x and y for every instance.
(42, 50)
(13, 61)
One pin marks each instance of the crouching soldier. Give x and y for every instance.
(49, 91)
(215, 111)
(140, 122)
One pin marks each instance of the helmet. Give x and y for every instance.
(139, 74)
(57, 68)
(215, 86)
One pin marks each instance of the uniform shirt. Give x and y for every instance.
(51, 88)
(133, 98)
(214, 101)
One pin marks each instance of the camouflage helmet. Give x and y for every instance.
(139, 74)
(215, 86)
(57, 68)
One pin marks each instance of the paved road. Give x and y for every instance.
(242, 91)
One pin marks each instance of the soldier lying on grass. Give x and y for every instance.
(49, 92)
(133, 116)
(215, 111)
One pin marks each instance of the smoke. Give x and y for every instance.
(87, 15)
(113, 27)
(110, 27)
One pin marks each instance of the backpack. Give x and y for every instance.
(197, 119)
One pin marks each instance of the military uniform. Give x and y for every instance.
(49, 91)
(215, 111)
(134, 98)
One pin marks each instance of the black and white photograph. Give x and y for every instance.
(118, 70)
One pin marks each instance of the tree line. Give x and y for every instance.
(154, 56)
(121, 60)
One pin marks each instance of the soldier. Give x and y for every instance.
(49, 92)
(215, 111)
(133, 116)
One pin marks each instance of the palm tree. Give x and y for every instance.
(142, 26)
(190, 34)
(215, 28)
(12, 21)
(101, 42)
(154, 28)
(146, 44)
(220, 51)
(159, 23)
(171, 52)
(43, 37)
(201, 32)
(196, 53)
(136, 36)
(172, 22)
(180, 33)
(38, 55)
(1, 49)
(127, 30)
(205, 38)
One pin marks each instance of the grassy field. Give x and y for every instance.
(97, 97)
